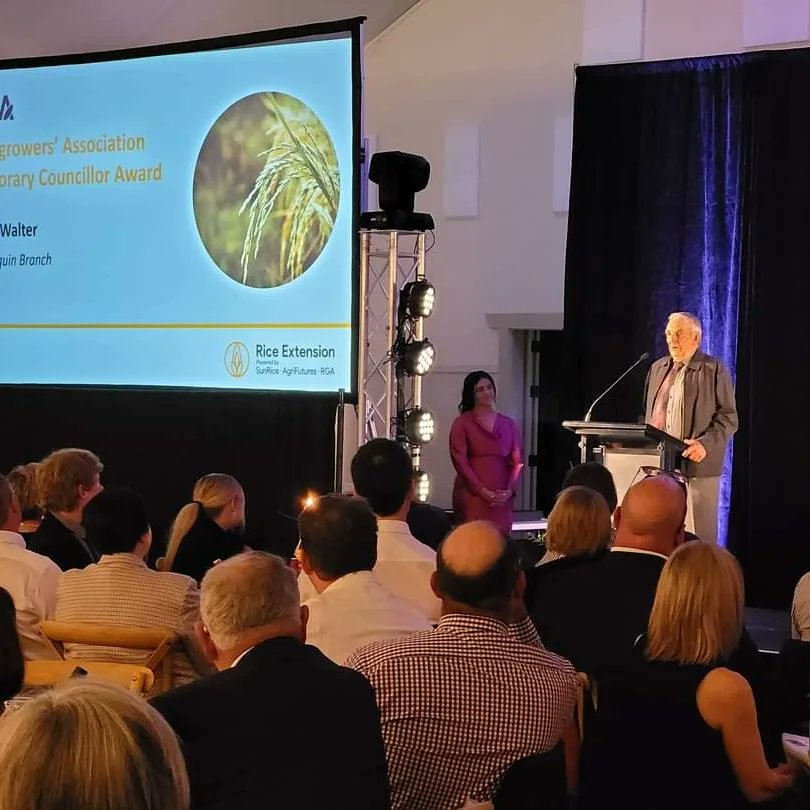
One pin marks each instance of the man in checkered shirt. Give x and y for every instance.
(460, 703)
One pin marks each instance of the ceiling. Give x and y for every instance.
(41, 27)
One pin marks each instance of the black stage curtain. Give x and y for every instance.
(690, 190)
(770, 516)
(160, 442)
(654, 222)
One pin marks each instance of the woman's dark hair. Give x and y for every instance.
(594, 476)
(12, 666)
(468, 389)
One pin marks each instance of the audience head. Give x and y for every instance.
(67, 480)
(221, 498)
(382, 473)
(247, 599)
(652, 514)
(683, 333)
(91, 746)
(595, 476)
(579, 523)
(23, 480)
(116, 522)
(478, 571)
(338, 537)
(697, 616)
(478, 388)
(9, 507)
(12, 666)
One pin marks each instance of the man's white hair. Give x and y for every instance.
(691, 319)
(247, 591)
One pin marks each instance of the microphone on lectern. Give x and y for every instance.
(604, 393)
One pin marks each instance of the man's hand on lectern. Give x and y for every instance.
(695, 451)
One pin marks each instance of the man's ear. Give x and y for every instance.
(304, 622)
(206, 643)
(434, 584)
(306, 565)
(617, 517)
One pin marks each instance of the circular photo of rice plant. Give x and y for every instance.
(266, 190)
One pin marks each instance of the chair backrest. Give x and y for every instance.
(535, 783)
(160, 640)
(134, 677)
(587, 701)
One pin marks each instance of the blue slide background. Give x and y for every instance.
(128, 253)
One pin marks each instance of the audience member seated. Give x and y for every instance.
(67, 480)
(120, 590)
(592, 610)
(351, 608)
(12, 665)
(382, 473)
(678, 729)
(800, 610)
(93, 746)
(428, 524)
(280, 725)
(595, 476)
(208, 529)
(30, 578)
(23, 480)
(462, 702)
(578, 527)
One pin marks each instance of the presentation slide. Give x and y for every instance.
(181, 220)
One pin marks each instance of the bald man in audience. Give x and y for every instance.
(592, 610)
(460, 703)
(593, 613)
(279, 725)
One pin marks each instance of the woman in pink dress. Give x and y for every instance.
(485, 449)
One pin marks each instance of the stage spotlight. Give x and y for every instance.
(399, 176)
(421, 485)
(417, 358)
(419, 298)
(420, 426)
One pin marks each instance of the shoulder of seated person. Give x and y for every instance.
(721, 690)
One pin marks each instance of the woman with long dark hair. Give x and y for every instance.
(485, 448)
(12, 666)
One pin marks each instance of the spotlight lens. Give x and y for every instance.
(418, 357)
(421, 299)
(421, 481)
(420, 427)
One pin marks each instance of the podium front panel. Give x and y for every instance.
(624, 464)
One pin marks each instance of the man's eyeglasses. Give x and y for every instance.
(653, 472)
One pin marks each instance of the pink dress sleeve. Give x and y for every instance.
(515, 456)
(459, 457)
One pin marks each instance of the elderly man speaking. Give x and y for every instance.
(690, 395)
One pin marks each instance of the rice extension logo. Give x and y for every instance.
(6, 109)
(237, 359)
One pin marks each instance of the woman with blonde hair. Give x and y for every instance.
(208, 529)
(679, 728)
(93, 746)
(578, 525)
(23, 480)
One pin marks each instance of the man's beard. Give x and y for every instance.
(239, 529)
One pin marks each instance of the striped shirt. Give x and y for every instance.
(121, 590)
(460, 703)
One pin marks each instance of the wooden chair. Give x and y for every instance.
(587, 700)
(136, 678)
(159, 640)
